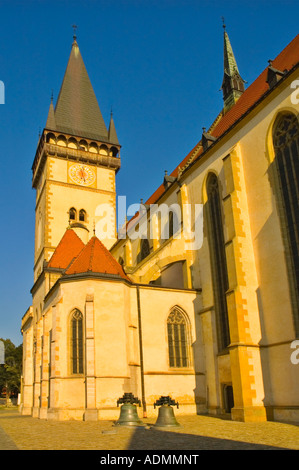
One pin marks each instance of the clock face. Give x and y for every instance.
(82, 174)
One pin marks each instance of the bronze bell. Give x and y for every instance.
(128, 411)
(166, 416)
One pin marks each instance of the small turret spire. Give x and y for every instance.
(50, 124)
(233, 84)
(112, 136)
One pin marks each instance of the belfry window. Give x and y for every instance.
(286, 146)
(72, 213)
(77, 342)
(82, 215)
(218, 260)
(178, 344)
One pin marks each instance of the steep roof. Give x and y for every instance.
(66, 251)
(112, 132)
(230, 63)
(50, 124)
(95, 258)
(77, 111)
(286, 60)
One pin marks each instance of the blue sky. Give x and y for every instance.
(159, 65)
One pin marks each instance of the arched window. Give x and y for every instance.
(72, 213)
(144, 249)
(82, 215)
(113, 151)
(218, 260)
(178, 342)
(286, 146)
(77, 342)
(173, 223)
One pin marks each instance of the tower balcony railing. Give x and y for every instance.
(68, 153)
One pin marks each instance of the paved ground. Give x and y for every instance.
(195, 433)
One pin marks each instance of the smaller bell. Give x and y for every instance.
(128, 411)
(166, 416)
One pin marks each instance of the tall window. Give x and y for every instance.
(82, 215)
(286, 145)
(177, 330)
(218, 260)
(144, 249)
(77, 342)
(72, 213)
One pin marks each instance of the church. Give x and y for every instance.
(196, 297)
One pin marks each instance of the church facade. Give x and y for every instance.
(197, 296)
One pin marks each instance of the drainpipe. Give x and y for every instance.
(141, 353)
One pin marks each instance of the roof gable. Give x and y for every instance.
(95, 258)
(286, 60)
(68, 248)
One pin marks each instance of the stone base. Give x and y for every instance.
(286, 414)
(25, 410)
(90, 415)
(65, 414)
(35, 412)
(249, 414)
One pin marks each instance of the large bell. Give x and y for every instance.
(128, 411)
(128, 416)
(166, 416)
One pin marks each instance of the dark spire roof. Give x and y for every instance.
(230, 63)
(233, 84)
(50, 124)
(77, 111)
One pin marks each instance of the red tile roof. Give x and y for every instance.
(286, 60)
(95, 258)
(68, 248)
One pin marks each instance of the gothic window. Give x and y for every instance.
(173, 223)
(144, 249)
(77, 342)
(178, 344)
(72, 213)
(218, 260)
(286, 146)
(82, 215)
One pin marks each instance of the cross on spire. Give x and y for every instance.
(74, 26)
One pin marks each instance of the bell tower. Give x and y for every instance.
(74, 167)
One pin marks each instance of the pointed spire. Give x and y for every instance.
(233, 84)
(112, 136)
(50, 124)
(77, 111)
